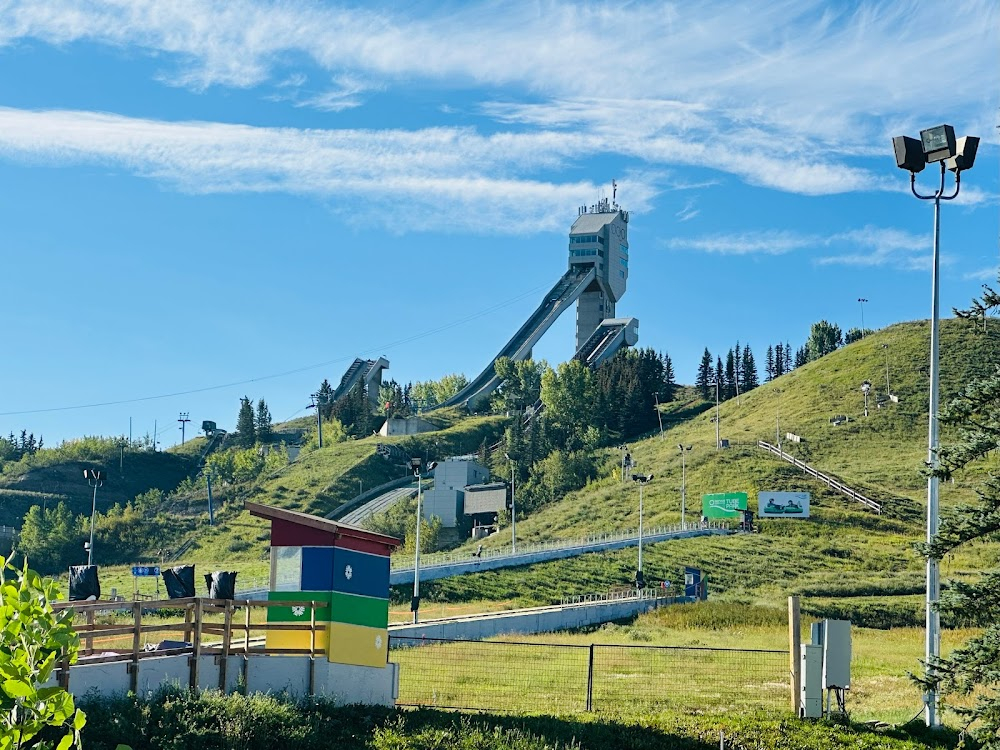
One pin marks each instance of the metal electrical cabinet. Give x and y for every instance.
(811, 698)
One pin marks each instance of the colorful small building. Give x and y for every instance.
(315, 559)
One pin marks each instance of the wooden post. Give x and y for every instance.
(196, 651)
(136, 645)
(227, 630)
(88, 641)
(246, 633)
(187, 622)
(794, 650)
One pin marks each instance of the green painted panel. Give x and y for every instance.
(360, 610)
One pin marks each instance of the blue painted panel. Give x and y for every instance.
(358, 573)
(317, 568)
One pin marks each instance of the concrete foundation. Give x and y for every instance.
(260, 673)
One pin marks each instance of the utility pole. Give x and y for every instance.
(154, 436)
(513, 516)
(659, 416)
(317, 403)
(183, 419)
(862, 300)
(211, 512)
(641, 480)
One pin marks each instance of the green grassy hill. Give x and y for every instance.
(843, 556)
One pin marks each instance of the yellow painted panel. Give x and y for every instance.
(355, 644)
(295, 639)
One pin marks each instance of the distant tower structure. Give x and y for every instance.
(599, 238)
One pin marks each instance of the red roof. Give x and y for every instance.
(294, 529)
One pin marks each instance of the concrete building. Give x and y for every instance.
(599, 238)
(451, 477)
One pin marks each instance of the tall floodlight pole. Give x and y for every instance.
(317, 400)
(935, 145)
(865, 389)
(683, 449)
(641, 480)
(95, 478)
(887, 391)
(415, 602)
(183, 419)
(513, 514)
(718, 440)
(862, 300)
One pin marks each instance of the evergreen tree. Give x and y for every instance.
(788, 357)
(720, 379)
(730, 381)
(749, 371)
(325, 398)
(779, 360)
(801, 356)
(738, 368)
(669, 379)
(246, 433)
(769, 364)
(704, 379)
(973, 669)
(262, 423)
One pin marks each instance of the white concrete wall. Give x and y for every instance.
(264, 674)
(528, 621)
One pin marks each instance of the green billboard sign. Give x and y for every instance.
(724, 505)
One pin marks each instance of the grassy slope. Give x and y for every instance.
(839, 557)
(318, 482)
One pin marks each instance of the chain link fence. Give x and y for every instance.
(564, 678)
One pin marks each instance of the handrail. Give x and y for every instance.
(446, 558)
(835, 484)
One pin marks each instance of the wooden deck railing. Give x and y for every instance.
(200, 635)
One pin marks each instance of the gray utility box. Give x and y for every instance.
(811, 692)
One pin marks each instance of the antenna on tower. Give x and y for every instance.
(614, 191)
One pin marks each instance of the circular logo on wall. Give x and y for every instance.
(348, 572)
(298, 611)
(378, 642)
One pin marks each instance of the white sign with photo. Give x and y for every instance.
(783, 505)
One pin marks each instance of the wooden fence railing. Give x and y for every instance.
(200, 634)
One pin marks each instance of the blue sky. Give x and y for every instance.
(218, 199)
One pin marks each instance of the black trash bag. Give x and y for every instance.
(179, 581)
(221, 584)
(83, 583)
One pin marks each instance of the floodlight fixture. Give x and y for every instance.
(938, 143)
(909, 154)
(965, 154)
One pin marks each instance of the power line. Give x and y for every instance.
(295, 371)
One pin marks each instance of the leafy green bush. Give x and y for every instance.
(35, 639)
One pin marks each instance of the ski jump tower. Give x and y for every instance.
(599, 239)
(595, 280)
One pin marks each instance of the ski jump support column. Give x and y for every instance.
(315, 559)
(597, 275)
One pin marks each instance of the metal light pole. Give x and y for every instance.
(513, 514)
(935, 145)
(641, 480)
(718, 440)
(683, 449)
(862, 300)
(865, 388)
(415, 602)
(95, 478)
(887, 391)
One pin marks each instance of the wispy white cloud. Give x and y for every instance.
(786, 95)
(688, 211)
(484, 181)
(868, 246)
(982, 274)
